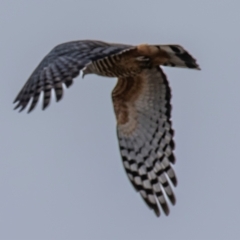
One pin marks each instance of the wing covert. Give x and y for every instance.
(143, 112)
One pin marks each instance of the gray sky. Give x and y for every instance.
(61, 175)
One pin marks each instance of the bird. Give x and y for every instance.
(141, 102)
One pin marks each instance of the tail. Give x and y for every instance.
(178, 57)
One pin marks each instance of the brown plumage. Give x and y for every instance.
(141, 101)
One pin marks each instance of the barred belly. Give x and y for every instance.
(115, 66)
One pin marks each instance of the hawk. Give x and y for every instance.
(141, 101)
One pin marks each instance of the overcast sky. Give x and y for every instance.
(61, 175)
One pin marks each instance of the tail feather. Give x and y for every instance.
(178, 57)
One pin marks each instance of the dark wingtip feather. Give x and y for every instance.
(174, 181)
(68, 83)
(165, 208)
(22, 108)
(156, 210)
(46, 102)
(172, 199)
(15, 100)
(58, 96)
(58, 89)
(30, 109)
(43, 107)
(17, 106)
(172, 158)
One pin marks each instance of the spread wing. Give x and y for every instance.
(143, 112)
(59, 67)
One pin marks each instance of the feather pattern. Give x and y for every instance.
(61, 66)
(143, 112)
(141, 101)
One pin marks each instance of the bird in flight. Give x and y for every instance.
(141, 101)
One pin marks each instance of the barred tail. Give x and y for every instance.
(178, 57)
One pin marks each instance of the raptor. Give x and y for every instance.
(141, 101)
